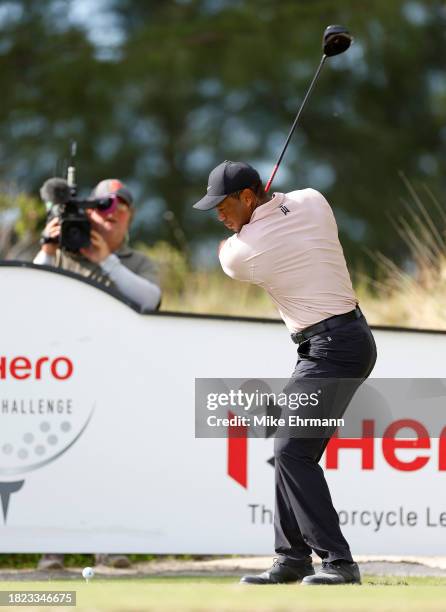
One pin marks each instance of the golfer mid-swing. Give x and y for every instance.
(289, 245)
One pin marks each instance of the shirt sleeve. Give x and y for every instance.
(43, 259)
(148, 270)
(139, 287)
(236, 259)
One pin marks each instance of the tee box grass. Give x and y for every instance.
(212, 594)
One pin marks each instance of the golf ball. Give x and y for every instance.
(88, 573)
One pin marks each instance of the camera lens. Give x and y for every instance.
(73, 234)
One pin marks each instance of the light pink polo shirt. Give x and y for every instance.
(290, 247)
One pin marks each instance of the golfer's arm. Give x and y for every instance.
(235, 259)
(43, 259)
(140, 290)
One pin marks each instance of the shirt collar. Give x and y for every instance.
(266, 209)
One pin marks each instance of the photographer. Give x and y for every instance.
(108, 260)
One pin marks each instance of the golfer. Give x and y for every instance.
(289, 245)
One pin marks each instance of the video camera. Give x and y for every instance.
(60, 199)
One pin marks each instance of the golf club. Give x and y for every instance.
(336, 40)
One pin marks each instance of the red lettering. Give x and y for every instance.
(69, 368)
(238, 453)
(442, 450)
(365, 444)
(39, 363)
(18, 364)
(390, 444)
(22, 367)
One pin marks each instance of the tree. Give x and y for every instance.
(190, 83)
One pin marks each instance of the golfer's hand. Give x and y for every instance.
(52, 230)
(98, 249)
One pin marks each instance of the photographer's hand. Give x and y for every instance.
(52, 230)
(98, 249)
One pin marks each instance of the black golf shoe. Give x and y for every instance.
(281, 574)
(336, 572)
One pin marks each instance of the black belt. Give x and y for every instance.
(325, 325)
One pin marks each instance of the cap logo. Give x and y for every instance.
(115, 185)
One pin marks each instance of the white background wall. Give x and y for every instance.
(137, 480)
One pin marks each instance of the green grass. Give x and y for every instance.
(30, 560)
(214, 594)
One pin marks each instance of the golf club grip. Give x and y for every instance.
(271, 178)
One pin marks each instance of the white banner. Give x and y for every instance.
(97, 446)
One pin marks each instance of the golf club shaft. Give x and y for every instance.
(293, 127)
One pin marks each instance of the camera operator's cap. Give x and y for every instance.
(112, 187)
(225, 179)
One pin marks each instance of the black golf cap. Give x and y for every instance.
(225, 179)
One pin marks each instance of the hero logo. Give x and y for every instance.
(44, 411)
(237, 466)
(22, 368)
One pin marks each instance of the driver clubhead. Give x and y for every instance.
(336, 40)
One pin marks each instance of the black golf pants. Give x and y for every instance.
(305, 518)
